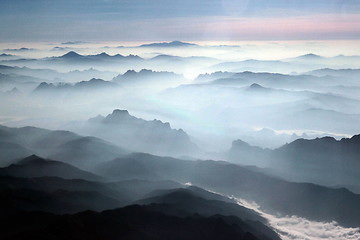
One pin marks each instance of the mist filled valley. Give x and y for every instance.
(180, 140)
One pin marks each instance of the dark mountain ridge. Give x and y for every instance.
(132, 222)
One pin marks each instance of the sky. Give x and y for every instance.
(165, 20)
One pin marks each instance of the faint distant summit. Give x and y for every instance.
(71, 54)
(256, 86)
(310, 56)
(73, 43)
(169, 44)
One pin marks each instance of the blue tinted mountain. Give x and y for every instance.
(149, 78)
(270, 193)
(65, 146)
(92, 85)
(169, 44)
(34, 166)
(324, 161)
(138, 134)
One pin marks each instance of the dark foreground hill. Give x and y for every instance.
(191, 213)
(57, 195)
(132, 223)
(194, 200)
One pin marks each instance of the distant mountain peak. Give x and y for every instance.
(138, 134)
(71, 54)
(256, 87)
(310, 56)
(240, 143)
(118, 55)
(45, 85)
(169, 44)
(146, 71)
(130, 72)
(120, 112)
(116, 116)
(97, 119)
(133, 56)
(103, 54)
(96, 80)
(13, 91)
(146, 75)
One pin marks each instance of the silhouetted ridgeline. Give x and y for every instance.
(132, 222)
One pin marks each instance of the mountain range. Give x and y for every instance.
(23, 197)
(91, 86)
(324, 161)
(138, 134)
(291, 173)
(65, 146)
(149, 79)
(271, 193)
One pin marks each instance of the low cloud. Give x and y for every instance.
(297, 228)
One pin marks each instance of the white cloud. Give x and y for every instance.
(297, 228)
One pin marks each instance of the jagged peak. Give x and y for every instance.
(144, 70)
(116, 115)
(133, 56)
(130, 71)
